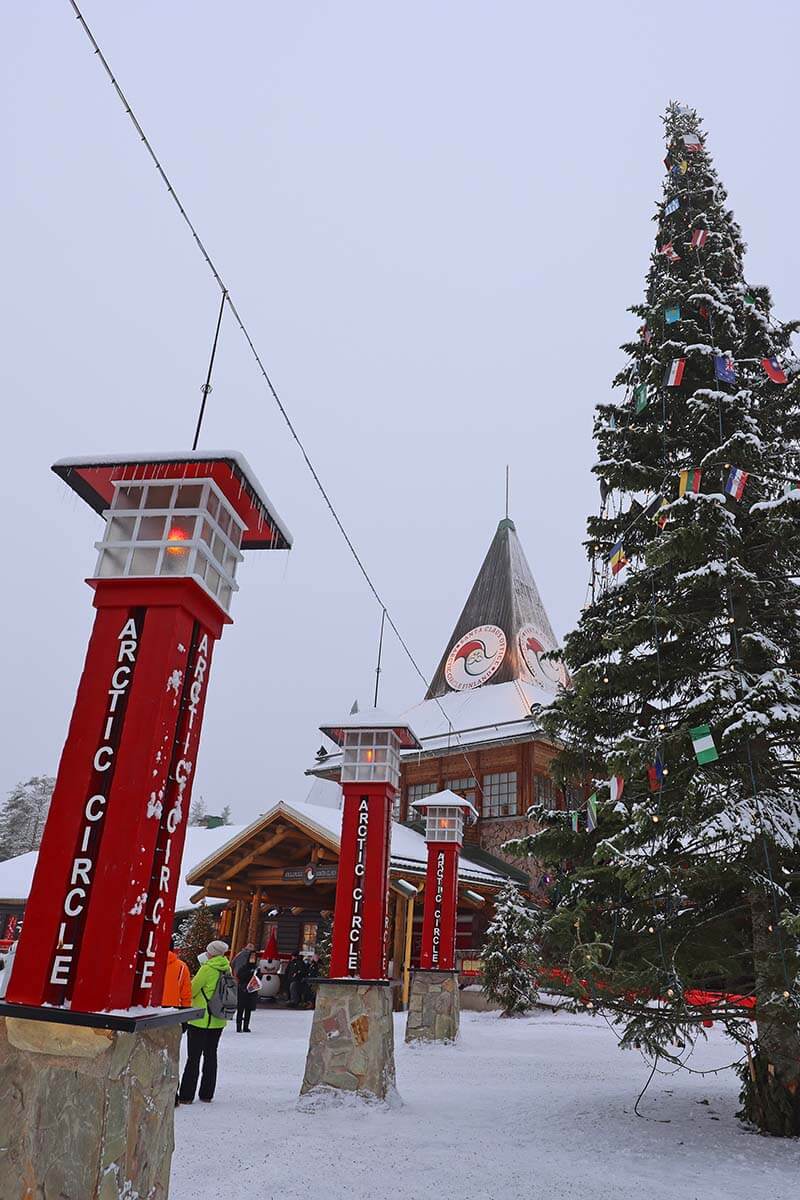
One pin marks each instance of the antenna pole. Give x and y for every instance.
(380, 654)
(506, 491)
(206, 388)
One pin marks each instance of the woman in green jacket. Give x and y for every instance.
(204, 1033)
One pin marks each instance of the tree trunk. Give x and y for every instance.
(771, 1092)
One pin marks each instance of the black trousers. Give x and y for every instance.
(245, 1003)
(201, 1045)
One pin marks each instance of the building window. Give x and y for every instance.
(545, 792)
(499, 795)
(416, 791)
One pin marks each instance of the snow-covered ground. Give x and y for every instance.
(538, 1108)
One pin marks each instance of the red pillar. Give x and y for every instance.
(358, 947)
(100, 911)
(438, 951)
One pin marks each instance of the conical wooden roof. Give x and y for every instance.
(503, 630)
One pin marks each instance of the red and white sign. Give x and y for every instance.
(358, 946)
(533, 645)
(475, 657)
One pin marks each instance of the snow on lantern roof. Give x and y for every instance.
(446, 799)
(93, 477)
(373, 718)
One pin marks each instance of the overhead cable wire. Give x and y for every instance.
(226, 296)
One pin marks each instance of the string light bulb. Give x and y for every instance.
(651, 929)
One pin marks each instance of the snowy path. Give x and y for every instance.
(534, 1109)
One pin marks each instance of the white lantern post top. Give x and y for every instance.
(445, 816)
(372, 719)
(372, 741)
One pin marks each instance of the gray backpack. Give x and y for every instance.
(224, 998)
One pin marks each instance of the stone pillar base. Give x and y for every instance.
(433, 1007)
(352, 1043)
(87, 1113)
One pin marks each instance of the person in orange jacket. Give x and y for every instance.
(177, 982)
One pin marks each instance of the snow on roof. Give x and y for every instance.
(16, 874)
(370, 718)
(64, 465)
(494, 712)
(408, 850)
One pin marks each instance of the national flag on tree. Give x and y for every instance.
(674, 372)
(655, 774)
(668, 250)
(699, 238)
(591, 812)
(640, 397)
(616, 786)
(749, 299)
(689, 481)
(574, 820)
(646, 334)
(654, 507)
(736, 482)
(774, 370)
(617, 559)
(672, 313)
(680, 168)
(724, 368)
(703, 744)
(703, 311)
(692, 142)
(672, 207)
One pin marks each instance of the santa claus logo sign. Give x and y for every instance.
(475, 657)
(545, 672)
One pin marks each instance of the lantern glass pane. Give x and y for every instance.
(112, 563)
(144, 561)
(128, 497)
(120, 529)
(159, 495)
(189, 495)
(151, 529)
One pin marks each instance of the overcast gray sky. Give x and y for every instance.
(433, 217)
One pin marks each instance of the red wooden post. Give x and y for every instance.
(370, 779)
(444, 832)
(100, 912)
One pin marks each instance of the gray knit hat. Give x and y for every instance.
(213, 949)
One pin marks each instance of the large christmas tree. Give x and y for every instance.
(685, 698)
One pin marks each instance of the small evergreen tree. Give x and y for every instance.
(23, 816)
(510, 954)
(226, 815)
(193, 935)
(197, 813)
(323, 950)
(690, 882)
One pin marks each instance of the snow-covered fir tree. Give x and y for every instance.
(197, 812)
(226, 816)
(23, 815)
(691, 879)
(510, 954)
(193, 935)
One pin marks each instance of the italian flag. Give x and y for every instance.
(703, 744)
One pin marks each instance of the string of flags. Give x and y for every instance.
(699, 238)
(725, 368)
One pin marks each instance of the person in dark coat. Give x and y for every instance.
(295, 974)
(246, 999)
